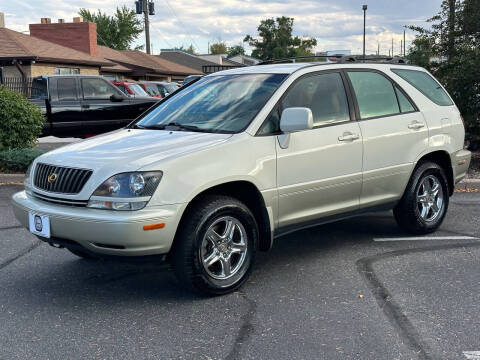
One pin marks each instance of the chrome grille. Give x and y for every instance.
(59, 179)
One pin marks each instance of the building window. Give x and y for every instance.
(67, 71)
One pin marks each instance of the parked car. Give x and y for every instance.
(218, 170)
(190, 78)
(131, 88)
(166, 88)
(82, 105)
(151, 88)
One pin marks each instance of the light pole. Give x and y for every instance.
(364, 8)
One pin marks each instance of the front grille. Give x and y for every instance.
(59, 179)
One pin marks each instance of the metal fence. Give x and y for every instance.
(18, 84)
(210, 69)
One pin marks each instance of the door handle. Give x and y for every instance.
(348, 136)
(416, 125)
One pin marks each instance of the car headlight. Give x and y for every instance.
(126, 191)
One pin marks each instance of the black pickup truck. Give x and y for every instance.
(83, 105)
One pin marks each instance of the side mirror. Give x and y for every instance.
(116, 98)
(292, 120)
(296, 119)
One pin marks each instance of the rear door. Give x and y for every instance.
(101, 114)
(394, 135)
(66, 111)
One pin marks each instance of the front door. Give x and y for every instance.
(320, 172)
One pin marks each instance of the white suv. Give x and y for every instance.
(219, 169)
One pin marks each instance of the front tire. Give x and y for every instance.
(215, 248)
(425, 201)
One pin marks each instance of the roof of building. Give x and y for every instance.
(15, 45)
(126, 59)
(184, 58)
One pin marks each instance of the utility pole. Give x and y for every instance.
(401, 48)
(378, 48)
(404, 46)
(392, 48)
(364, 8)
(146, 7)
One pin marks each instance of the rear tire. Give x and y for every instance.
(425, 201)
(215, 248)
(82, 254)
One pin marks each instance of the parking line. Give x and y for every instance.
(472, 355)
(418, 238)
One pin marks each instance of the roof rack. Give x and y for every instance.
(339, 59)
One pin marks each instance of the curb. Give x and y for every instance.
(11, 179)
(471, 184)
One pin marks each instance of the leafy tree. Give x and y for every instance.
(276, 40)
(236, 50)
(118, 31)
(450, 50)
(218, 48)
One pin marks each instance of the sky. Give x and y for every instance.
(336, 24)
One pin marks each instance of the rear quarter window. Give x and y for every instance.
(426, 84)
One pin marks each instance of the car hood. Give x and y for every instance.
(130, 149)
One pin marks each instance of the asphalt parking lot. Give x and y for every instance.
(356, 289)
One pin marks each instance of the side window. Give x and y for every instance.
(96, 89)
(324, 94)
(405, 104)
(426, 84)
(66, 89)
(375, 94)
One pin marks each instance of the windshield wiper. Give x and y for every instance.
(173, 124)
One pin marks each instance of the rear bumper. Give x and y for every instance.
(460, 163)
(104, 231)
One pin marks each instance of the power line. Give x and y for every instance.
(181, 23)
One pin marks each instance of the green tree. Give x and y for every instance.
(450, 49)
(118, 31)
(218, 48)
(276, 41)
(191, 49)
(236, 50)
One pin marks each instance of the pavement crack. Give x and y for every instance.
(387, 303)
(11, 227)
(246, 329)
(7, 262)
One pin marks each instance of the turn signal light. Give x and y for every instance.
(153, 226)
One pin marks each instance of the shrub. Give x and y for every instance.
(17, 160)
(20, 121)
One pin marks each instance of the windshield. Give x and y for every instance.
(137, 90)
(171, 88)
(223, 103)
(152, 89)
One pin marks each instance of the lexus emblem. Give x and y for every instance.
(38, 223)
(52, 178)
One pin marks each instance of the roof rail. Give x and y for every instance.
(339, 59)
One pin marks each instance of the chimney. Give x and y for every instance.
(78, 35)
(61, 21)
(2, 20)
(45, 20)
(77, 19)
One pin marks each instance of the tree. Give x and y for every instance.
(191, 49)
(117, 32)
(450, 50)
(218, 48)
(276, 40)
(236, 50)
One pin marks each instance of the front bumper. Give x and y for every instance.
(460, 163)
(105, 231)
